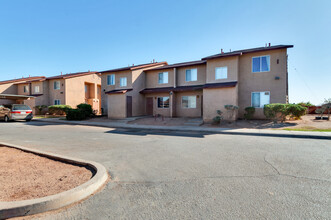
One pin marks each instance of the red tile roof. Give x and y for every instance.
(71, 75)
(240, 52)
(118, 91)
(140, 66)
(27, 79)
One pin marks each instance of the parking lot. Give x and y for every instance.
(186, 175)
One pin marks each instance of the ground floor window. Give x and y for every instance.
(189, 101)
(57, 102)
(259, 99)
(163, 102)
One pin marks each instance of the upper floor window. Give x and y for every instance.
(221, 72)
(191, 75)
(111, 79)
(57, 102)
(25, 89)
(57, 85)
(36, 89)
(123, 81)
(189, 101)
(86, 88)
(261, 64)
(163, 102)
(163, 78)
(259, 99)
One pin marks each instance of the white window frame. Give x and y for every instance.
(35, 90)
(57, 100)
(221, 67)
(25, 89)
(126, 81)
(260, 99)
(163, 78)
(55, 83)
(111, 82)
(188, 106)
(196, 78)
(261, 63)
(157, 102)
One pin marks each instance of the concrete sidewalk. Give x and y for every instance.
(243, 131)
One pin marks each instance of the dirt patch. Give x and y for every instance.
(28, 176)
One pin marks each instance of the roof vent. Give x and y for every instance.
(222, 51)
(269, 44)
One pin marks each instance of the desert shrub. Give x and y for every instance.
(58, 109)
(217, 119)
(87, 108)
(40, 108)
(305, 104)
(249, 113)
(231, 109)
(75, 114)
(276, 112)
(296, 110)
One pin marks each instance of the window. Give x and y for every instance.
(189, 101)
(261, 64)
(221, 72)
(163, 102)
(57, 102)
(26, 89)
(36, 89)
(191, 75)
(259, 99)
(57, 85)
(123, 81)
(111, 79)
(86, 89)
(163, 78)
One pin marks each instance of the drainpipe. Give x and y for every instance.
(172, 95)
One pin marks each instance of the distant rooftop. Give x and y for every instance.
(71, 75)
(26, 79)
(240, 52)
(135, 67)
(175, 65)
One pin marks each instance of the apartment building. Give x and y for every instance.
(120, 90)
(250, 77)
(67, 89)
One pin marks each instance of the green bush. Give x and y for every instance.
(305, 104)
(249, 113)
(87, 108)
(76, 114)
(276, 111)
(58, 109)
(40, 108)
(296, 110)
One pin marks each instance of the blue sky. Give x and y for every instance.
(41, 37)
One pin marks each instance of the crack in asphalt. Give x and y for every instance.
(225, 176)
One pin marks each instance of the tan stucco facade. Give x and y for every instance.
(116, 106)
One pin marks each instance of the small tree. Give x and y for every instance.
(219, 117)
(327, 106)
(231, 109)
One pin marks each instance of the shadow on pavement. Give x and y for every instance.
(202, 134)
(144, 132)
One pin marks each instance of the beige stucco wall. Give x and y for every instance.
(181, 73)
(152, 78)
(188, 112)
(230, 62)
(20, 89)
(75, 89)
(162, 111)
(264, 81)
(57, 94)
(215, 99)
(116, 106)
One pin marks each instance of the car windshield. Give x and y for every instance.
(21, 107)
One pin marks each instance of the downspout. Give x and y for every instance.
(172, 95)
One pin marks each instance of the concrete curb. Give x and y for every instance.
(251, 132)
(48, 203)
